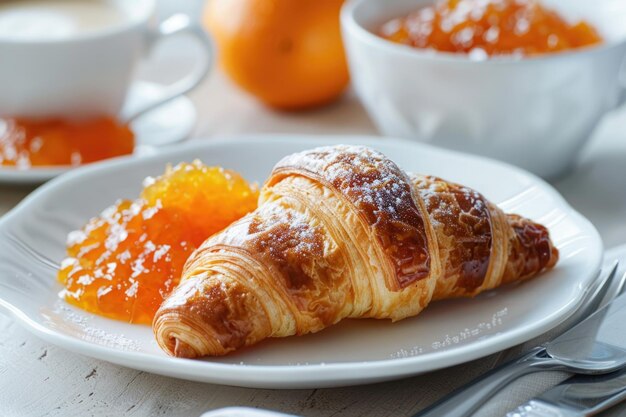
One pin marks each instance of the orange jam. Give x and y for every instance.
(123, 263)
(483, 28)
(26, 143)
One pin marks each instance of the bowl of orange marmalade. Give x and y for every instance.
(524, 81)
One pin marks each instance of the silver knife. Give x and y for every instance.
(596, 345)
(579, 396)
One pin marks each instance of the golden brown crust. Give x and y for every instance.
(531, 250)
(382, 195)
(343, 232)
(215, 315)
(463, 226)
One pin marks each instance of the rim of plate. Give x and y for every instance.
(249, 375)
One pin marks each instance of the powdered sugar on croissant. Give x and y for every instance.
(343, 232)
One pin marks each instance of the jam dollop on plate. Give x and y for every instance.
(122, 263)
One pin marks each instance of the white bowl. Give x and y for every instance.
(534, 112)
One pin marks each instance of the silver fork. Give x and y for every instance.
(617, 289)
(466, 400)
(536, 407)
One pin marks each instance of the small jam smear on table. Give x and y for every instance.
(54, 142)
(123, 263)
(483, 28)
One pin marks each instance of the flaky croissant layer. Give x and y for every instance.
(343, 232)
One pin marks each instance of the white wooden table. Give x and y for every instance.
(37, 379)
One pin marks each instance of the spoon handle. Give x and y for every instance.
(464, 401)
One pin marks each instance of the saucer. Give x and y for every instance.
(170, 123)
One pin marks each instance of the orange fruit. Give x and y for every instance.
(287, 53)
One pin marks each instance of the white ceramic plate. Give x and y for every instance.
(167, 124)
(352, 352)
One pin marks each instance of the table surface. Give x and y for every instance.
(39, 379)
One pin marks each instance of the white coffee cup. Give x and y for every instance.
(88, 73)
(535, 112)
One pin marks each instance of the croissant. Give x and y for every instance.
(343, 232)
